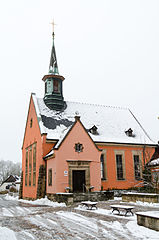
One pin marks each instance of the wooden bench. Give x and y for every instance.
(89, 204)
(128, 209)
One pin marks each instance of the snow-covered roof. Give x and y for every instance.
(154, 162)
(111, 122)
(12, 178)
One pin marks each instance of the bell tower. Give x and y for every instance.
(53, 96)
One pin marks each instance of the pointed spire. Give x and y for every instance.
(53, 67)
(53, 96)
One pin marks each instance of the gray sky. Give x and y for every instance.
(108, 52)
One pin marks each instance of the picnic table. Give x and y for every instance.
(89, 204)
(128, 209)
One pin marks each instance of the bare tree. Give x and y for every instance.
(150, 183)
(7, 168)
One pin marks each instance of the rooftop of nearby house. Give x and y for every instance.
(12, 178)
(154, 162)
(103, 123)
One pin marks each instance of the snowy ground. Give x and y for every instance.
(45, 220)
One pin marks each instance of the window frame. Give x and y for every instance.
(50, 177)
(122, 154)
(137, 167)
(26, 166)
(103, 166)
(34, 163)
(30, 164)
(56, 86)
(46, 88)
(78, 147)
(139, 153)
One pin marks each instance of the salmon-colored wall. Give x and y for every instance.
(51, 163)
(33, 135)
(111, 181)
(66, 152)
(46, 146)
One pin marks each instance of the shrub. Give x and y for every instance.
(13, 189)
(4, 192)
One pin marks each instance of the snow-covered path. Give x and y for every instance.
(21, 220)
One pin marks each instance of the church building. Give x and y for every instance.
(78, 147)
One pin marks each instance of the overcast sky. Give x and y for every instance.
(108, 52)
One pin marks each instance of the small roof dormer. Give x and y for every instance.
(129, 132)
(93, 130)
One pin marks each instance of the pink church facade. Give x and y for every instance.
(71, 167)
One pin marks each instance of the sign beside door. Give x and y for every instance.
(65, 173)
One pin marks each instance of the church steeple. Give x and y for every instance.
(53, 96)
(53, 68)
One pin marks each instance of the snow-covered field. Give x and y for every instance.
(43, 219)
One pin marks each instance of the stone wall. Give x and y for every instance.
(143, 197)
(61, 197)
(21, 187)
(69, 198)
(41, 189)
(93, 196)
(29, 198)
(148, 221)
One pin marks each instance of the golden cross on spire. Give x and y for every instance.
(53, 25)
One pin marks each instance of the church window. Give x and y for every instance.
(50, 177)
(49, 87)
(45, 87)
(137, 169)
(56, 86)
(30, 164)
(34, 164)
(78, 147)
(102, 166)
(26, 167)
(31, 123)
(119, 167)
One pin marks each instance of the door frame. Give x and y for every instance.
(74, 180)
(79, 165)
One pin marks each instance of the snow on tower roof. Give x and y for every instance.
(112, 123)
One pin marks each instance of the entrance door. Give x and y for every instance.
(78, 180)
